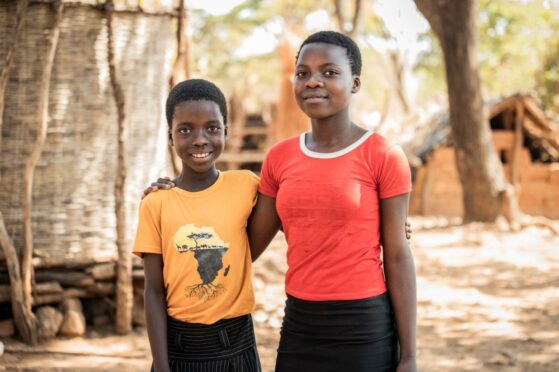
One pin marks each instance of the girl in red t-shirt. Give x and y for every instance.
(336, 190)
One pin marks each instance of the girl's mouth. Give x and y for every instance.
(200, 155)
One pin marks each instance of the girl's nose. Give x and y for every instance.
(315, 80)
(200, 138)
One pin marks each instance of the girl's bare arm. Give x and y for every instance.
(263, 224)
(156, 310)
(400, 276)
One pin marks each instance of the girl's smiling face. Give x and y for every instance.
(198, 134)
(323, 82)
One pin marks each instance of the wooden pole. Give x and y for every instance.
(518, 141)
(25, 321)
(31, 164)
(124, 296)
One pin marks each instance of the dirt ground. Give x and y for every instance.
(488, 300)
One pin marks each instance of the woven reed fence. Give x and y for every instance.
(73, 199)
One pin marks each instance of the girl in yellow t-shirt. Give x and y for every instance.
(198, 289)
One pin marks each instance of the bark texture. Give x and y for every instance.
(124, 296)
(355, 21)
(31, 163)
(24, 319)
(481, 172)
(181, 69)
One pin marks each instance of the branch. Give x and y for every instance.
(339, 15)
(356, 22)
(30, 165)
(124, 272)
(430, 10)
(25, 321)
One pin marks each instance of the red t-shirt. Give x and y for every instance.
(329, 207)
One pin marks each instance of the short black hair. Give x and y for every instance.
(195, 90)
(339, 39)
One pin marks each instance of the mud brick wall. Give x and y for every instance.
(441, 192)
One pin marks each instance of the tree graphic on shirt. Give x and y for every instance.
(208, 251)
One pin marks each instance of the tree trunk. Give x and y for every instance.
(290, 119)
(355, 22)
(124, 299)
(398, 69)
(181, 69)
(30, 165)
(25, 321)
(481, 172)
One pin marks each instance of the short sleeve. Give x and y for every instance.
(394, 177)
(269, 184)
(254, 182)
(148, 235)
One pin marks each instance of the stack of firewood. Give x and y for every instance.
(83, 280)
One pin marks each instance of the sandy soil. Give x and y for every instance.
(488, 300)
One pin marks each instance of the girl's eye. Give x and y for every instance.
(300, 74)
(184, 130)
(213, 129)
(330, 73)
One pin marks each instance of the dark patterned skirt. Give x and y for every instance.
(338, 336)
(225, 346)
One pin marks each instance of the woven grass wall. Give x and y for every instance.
(73, 203)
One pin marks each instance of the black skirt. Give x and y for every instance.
(225, 346)
(338, 336)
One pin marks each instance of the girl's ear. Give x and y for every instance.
(225, 130)
(356, 84)
(170, 139)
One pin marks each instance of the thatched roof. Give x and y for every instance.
(541, 129)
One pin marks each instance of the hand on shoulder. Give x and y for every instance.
(162, 183)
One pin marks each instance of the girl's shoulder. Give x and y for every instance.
(285, 145)
(378, 146)
(240, 176)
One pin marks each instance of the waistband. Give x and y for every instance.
(223, 339)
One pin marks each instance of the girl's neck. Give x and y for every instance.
(192, 181)
(332, 134)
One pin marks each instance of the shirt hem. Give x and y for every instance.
(406, 190)
(337, 296)
(270, 195)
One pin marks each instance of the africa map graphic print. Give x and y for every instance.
(208, 250)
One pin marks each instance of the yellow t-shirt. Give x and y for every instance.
(207, 267)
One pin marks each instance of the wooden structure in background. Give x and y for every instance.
(72, 212)
(247, 139)
(527, 142)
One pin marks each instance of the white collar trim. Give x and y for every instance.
(331, 155)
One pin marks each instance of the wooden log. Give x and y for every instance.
(518, 141)
(47, 288)
(68, 278)
(102, 272)
(40, 289)
(101, 289)
(49, 262)
(138, 274)
(98, 289)
(75, 293)
(48, 299)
